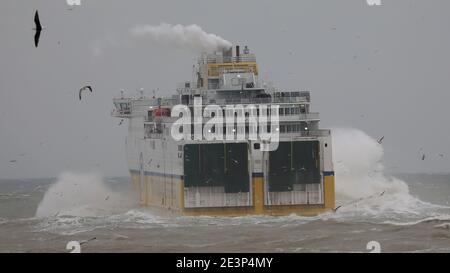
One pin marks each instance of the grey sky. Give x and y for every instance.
(384, 70)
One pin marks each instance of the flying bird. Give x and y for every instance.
(87, 87)
(380, 140)
(121, 121)
(38, 29)
(208, 180)
(87, 241)
(355, 202)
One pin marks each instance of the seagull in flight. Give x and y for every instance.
(87, 87)
(380, 140)
(87, 241)
(38, 29)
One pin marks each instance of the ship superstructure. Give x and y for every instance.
(239, 176)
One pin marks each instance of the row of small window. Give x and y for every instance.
(291, 128)
(292, 110)
(282, 111)
(290, 94)
(224, 129)
(282, 128)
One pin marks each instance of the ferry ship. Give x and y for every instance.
(228, 176)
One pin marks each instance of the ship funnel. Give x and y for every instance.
(238, 53)
(227, 54)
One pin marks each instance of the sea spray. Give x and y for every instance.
(78, 194)
(360, 177)
(359, 167)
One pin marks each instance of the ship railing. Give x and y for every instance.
(306, 133)
(282, 118)
(169, 101)
(297, 117)
(240, 100)
(256, 100)
(154, 135)
(121, 113)
(282, 135)
(234, 59)
(290, 99)
(244, 58)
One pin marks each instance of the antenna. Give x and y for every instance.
(193, 73)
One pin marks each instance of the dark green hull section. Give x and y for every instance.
(294, 163)
(212, 165)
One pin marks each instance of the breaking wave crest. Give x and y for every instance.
(77, 194)
(362, 186)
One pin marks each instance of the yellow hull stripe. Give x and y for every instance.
(168, 194)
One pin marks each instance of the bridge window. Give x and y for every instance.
(302, 109)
